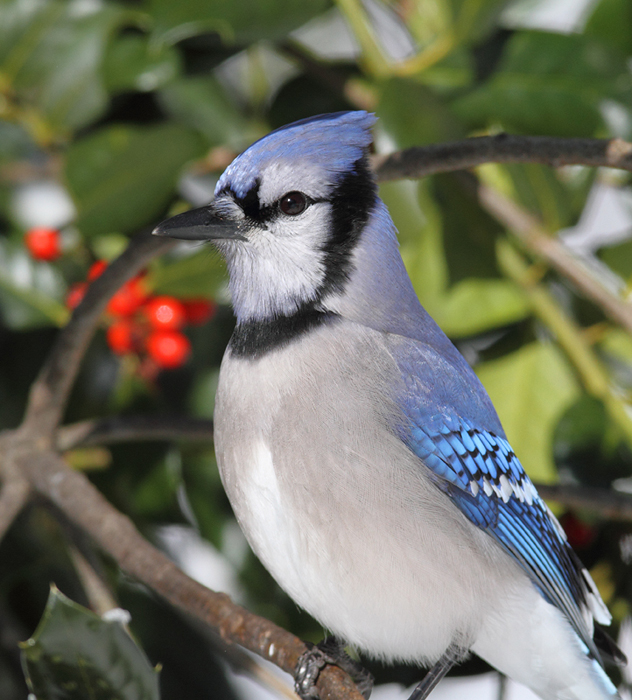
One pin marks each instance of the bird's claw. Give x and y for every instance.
(328, 652)
(308, 668)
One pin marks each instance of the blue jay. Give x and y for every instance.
(363, 459)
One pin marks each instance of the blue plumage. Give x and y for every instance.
(362, 456)
(473, 463)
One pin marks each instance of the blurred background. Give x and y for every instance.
(114, 115)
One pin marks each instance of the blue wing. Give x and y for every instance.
(471, 461)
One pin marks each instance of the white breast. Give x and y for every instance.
(338, 509)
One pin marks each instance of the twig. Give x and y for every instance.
(116, 535)
(108, 431)
(610, 504)
(99, 595)
(421, 161)
(569, 336)
(49, 392)
(531, 235)
(13, 497)
(244, 663)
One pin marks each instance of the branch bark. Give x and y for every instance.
(82, 503)
(610, 504)
(13, 497)
(421, 161)
(108, 431)
(539, 243)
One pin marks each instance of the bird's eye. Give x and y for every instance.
(293, 203)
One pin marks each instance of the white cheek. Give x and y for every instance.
(280, 267)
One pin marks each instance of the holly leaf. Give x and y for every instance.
(74, 654)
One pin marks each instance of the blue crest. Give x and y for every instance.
(333, 141)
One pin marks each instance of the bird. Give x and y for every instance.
(363, 459)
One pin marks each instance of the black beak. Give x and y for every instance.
(203, 224)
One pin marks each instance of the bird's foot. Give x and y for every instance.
(329, 651)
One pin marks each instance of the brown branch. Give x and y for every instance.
(610, 504)
(82, 503)
(13, 497)
(421, 161)
(49, 392)
(108, 431)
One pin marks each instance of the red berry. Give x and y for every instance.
(199, 311)
(128, 299)
(169, 349)
(579, 534)
(75, 295)
(121, 336)
(43, 243)
(164, 312)
(96, 270)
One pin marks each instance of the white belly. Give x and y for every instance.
(342, 514)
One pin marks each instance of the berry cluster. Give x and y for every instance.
(145, 324)
(138, 322)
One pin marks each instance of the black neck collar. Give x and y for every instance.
(253, 339)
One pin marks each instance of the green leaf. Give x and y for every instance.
(550, 84)
(557, 201)
(478, 305)
(201, 102)
(473, 19)
(199, 275)
(121, 177)
(531, 388)
(30, 291)
(242, 22)
(611, 23)
(75, 655)
(413, 115)
(51, 55)
(14, 142)
(469, 233)
(133, 63)
(619, 258)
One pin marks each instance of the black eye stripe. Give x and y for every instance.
(261, 213)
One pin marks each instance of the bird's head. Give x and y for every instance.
(287, 214)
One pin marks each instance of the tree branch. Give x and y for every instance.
(528, 231)
(569, 337)
(108, 431)
(82, 503)
(610, 504)
(50, 390)
(421, 161)
(13, 497)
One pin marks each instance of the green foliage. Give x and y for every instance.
(537, 382)
(104, 168)
(51, 54)
(135, 108)
(550, 84)
(74, 654)
(243, 22)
